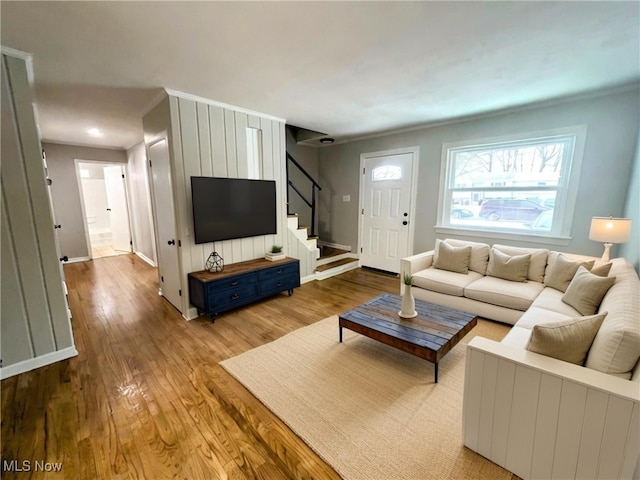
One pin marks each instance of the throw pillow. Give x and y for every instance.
(586, 291)
(453, 259)
(562, 271)
(512, 268)
(601, 269)
(568, 340)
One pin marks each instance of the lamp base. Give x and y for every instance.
(605, 255)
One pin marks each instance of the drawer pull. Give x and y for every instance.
(235, 296)
(233, 284)
(279, 270)
(279, 284)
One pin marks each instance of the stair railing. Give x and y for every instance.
(315, 188)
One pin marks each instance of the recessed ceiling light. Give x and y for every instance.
(94, 132)
(327, 140)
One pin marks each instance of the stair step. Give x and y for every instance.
(335, 268)
(337, 263)
(327, 252)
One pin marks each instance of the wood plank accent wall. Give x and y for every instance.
(35, 328)
(545, 423)
(211, 140)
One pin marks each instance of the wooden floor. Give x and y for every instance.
(146, 398)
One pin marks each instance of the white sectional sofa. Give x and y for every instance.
(537, 415)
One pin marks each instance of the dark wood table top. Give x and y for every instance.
(434, 331)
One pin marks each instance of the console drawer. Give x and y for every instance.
(220, 300)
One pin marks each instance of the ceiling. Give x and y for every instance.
(347, 69)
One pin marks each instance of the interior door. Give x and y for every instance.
(164, 213)
(117, 208)
(387, 191)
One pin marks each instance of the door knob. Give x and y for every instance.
(171, 242)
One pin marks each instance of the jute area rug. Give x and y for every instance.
(369, 410)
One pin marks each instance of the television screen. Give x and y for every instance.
(227, 208)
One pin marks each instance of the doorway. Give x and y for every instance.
(105, 208)
(387, 206)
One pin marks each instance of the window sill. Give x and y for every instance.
(519, 237)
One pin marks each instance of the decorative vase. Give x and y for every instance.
(408, 304)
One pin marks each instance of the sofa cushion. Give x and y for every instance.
(586, 290)
(561, 270)
(537, 263)
(540, 316)
(616, 348)
(567, 340)
(508, 267)
(454, 259)
(517, 337)
(443, 281)
(551, 299)
(505, 293)
(479, 254)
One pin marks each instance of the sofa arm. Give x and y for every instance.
(413, 264)
(540, 417)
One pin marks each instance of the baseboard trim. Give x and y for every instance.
(335, 245)
(146, 259)
(78, 259)
(308, 278)
(41, 361)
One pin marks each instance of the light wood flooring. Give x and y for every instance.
(146, 398)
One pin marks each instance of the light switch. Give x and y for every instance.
(346, 198)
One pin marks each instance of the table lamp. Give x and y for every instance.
(609, 230)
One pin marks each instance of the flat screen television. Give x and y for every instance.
(228, 208)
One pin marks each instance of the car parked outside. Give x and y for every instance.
(461, 213)
(511, 209)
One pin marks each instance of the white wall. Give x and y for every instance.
(612, 121)
(95, 204)
(206, 139)
(144, 243)
(35, 328)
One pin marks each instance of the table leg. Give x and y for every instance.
(435, 371)
(340, 329)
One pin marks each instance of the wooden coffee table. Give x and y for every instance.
(430, 335)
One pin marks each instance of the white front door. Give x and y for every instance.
(167, 242)
(387, 208)
(117, 208)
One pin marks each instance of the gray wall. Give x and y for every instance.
(65, 191)
(307, 157)
(612, 122)
(631, 249)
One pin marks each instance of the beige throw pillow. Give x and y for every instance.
(453, 259)
(562, 271)
(586, 291)
(568, 340)
(601, 269)
(508, 267)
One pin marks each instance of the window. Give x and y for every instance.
(385, 173)
(512, 186)
(254, 153)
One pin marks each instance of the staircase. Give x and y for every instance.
(317, 261)
(334, 261)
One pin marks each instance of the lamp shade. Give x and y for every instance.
(610, 230)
